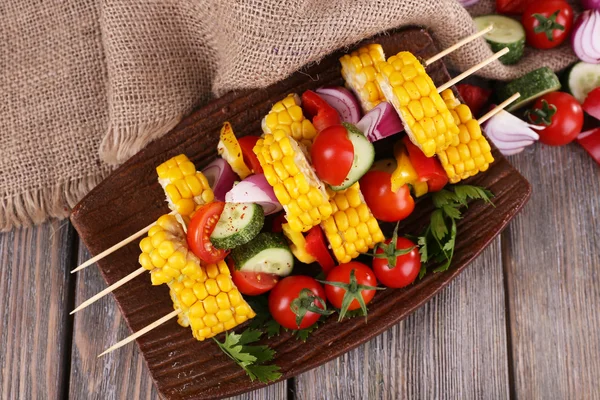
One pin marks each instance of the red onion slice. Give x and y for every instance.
(220, 177)
(509, 133)
(255, 189)
(584, 36)
(381, 122)
(343, 101)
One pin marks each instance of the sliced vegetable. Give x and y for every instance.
(405, 173)
(298, 302)
(585, 36)
(317, 247)
(582, 78)
(475, 97)
(506, 33)
(385, 204)
(531, 86)
(332, 155)
(364, 154)
(220, 177)
(510, 134)
(343, 101)
(297, 245)
(591, 105)
(428, 169)
(319, 111)
(547, 23)
(511, 6)
(229, 148)
(381, 122)
(560, 114)
(267, 253)
(247, 144)
(239, 223)
(199, 230)
(253, 283)
(590, 141)
(590, 4)
(350, 286)
(255, 189)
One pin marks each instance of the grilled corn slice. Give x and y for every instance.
(359, 70)
(209, 301)
(427, 120)
(352, 229)
(287, 115)
(469, 153)
(186, 189)
(296, 186)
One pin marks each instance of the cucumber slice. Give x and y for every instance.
(506, 33)
(531, 86)
(267, 253)
(239, 223)
(364, 154)
(582, 78)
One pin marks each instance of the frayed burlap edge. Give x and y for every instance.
(34, 207)
(121, 142)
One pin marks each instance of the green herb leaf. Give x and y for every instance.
(438, 225)
(264, 373)
(444, 197)
(451, 211)
(423, 248)
(469, 192)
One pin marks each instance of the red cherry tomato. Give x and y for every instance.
(247, 144)
(290, 292)
(332, 155)
(547, 23)
(364, 276)
(562, 116)
(253, 283)
(386, 205)
(406, 269)
(199, 230)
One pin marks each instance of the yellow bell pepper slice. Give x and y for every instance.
(298, 244)
(405, 173)
(229, 148)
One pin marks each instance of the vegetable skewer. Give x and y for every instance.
(462, 76)
(143, 231)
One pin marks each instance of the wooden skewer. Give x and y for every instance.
(141, 332)
(458, 45)
(109, 289)
(473, 69)
(115, 247)
(498, 108)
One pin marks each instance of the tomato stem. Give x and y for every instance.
(307, 301)
(542, 115)
(548, 25)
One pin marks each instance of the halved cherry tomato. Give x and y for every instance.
(386, 205)
(562, 116)
(316, 246)
(547, 23)
(199, 230)
(332, 155)
(321, 113)
(406, 268)
(247, 144)
(296, 302)
(429, 169)
(253, 283)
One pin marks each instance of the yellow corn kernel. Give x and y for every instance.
(359, 70)
(224, 282)
(223, 301)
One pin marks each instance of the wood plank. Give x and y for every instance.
(121, 374)
(454, 347)
(34, 297)
(552, 260)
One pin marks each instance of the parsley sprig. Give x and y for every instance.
(437, 243)
(251, 358)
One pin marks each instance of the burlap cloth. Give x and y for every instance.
(86, 84)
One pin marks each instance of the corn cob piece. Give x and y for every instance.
(352, 229)
(287, 115)
(209, 301)
(186, 189)
(294, 182)
(427, 120)
(469, 153)
(359, 70)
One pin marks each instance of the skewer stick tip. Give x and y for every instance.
(498, 108)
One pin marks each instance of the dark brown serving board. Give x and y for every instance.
(131, 198)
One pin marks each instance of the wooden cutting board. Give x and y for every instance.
(131, 198)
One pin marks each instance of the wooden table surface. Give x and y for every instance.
(523, 321)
